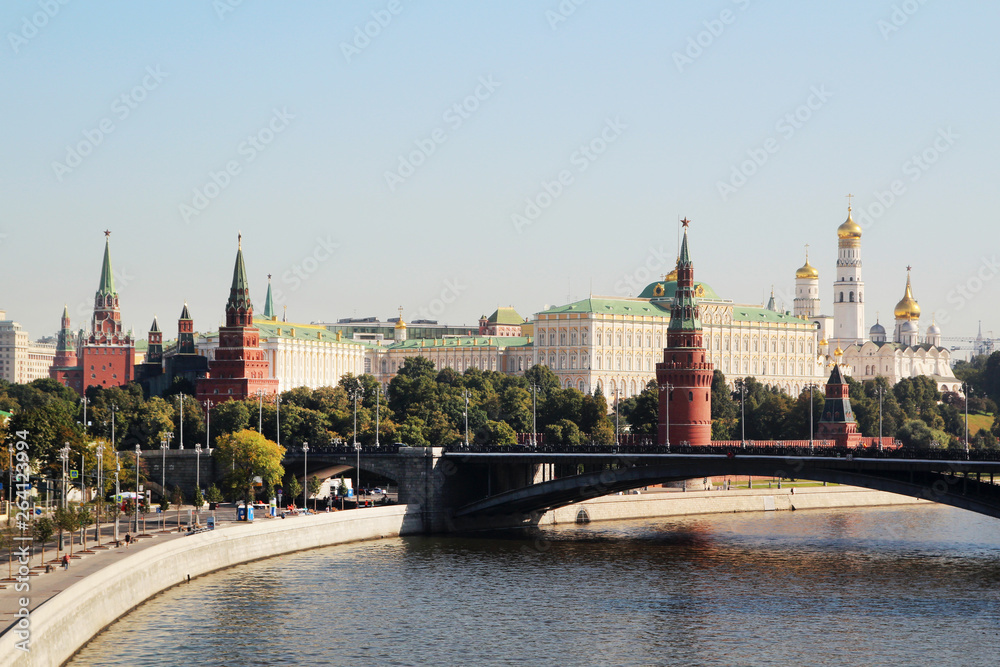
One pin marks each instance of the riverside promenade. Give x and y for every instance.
(67, 608)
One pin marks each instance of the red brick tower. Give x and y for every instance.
(838, 423)
(66, 347)
(185, 332)
(685, 376)
(154, 353)
(240, 368)
(107, 355)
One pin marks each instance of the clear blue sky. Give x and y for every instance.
(331, 113)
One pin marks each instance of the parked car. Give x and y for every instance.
(378, 490)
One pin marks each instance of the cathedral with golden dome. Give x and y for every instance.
(842, 338)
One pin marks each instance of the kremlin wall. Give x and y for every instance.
(613, 344)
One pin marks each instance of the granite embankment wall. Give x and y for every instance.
(675, 503)
(63, 624)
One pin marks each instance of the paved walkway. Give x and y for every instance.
(45, 585)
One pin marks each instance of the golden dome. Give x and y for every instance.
(850, 229)
(838, 352)
(400, 324)
(907, 308)
(807, 270)
(671, 277)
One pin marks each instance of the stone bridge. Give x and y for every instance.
(459, 490)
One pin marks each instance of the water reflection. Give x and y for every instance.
(907, 585)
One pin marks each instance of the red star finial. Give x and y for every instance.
(685, 222)
(269, 276)
(107, 232)
(908, 267)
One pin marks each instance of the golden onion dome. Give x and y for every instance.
(400, 324)
(807, 270)
(907, 308)
(838, 352)
(850, 229)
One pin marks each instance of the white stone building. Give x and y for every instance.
(21, 359)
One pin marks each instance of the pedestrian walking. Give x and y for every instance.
(65, 561)
(128, 539)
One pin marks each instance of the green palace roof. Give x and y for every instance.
(666, 289)
(505, 316)
(275, 329)
(461, 341)
(611, 306)
(744, 314)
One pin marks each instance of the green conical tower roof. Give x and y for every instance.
(268, 302)
(239, 292)
(685, 256)
(107, 286)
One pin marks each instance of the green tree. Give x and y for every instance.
(230, 417)
(67, 519)
(293, 489)
(199, 499)
(84, 517)
(314, 486)
(42, 531)
(498, 433)
(645, 416)
(247, 454)
(725, 411)
(213, 495)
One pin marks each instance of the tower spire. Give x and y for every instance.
(107, 286)
(268, 301)
(239, 309)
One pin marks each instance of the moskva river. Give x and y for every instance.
(905, 586)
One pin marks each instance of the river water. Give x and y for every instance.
(909, 586)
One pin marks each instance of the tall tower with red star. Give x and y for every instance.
(685, 375)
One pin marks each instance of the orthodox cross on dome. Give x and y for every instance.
(807, 252)
(400, 309)
(849, 197)
(107, 232)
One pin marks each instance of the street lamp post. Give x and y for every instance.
(163, 468)
(743, 412)
(811, 418)
(357, 493)
(965, 390)
(84, 401)
(277, 417)
(260, 411)
(667, 388)
(64, 457)
(100, 490)
(138, 454)
(197, 470)
(378, 402)
(114, 408)
(181, 443)
(118, 493)
(357, 446)
(465, 395)
(534, 414)
(881, 391)
(305, 476)
(208, 422)
(617, 410)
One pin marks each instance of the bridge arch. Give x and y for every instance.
(949, 484)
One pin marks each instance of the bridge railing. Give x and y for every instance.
(738, 448)
(295, 452)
